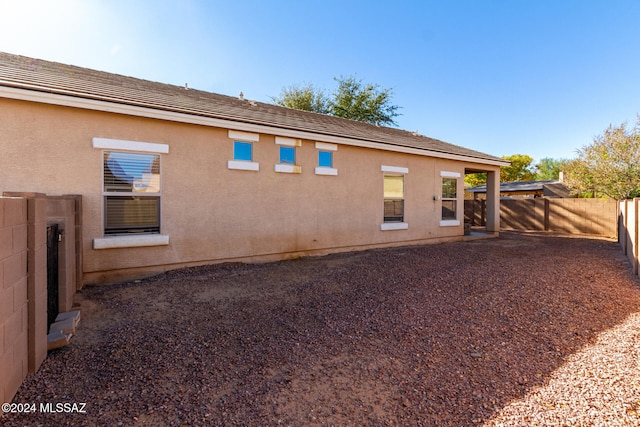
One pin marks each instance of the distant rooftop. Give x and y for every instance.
(515, 186)
(23, 73)
(550, 187)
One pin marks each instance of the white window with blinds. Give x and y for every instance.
(131, 193)
(394, 196)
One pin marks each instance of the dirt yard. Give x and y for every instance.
(443, 335)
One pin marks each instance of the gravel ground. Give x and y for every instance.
(516, 331)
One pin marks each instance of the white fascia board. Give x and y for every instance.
(244, 136)
(131, 241)
(115, 106)
(121, 144)
(394, 169)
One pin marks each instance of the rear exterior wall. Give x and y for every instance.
(212, 213)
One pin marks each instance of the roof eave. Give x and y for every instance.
(31, 93)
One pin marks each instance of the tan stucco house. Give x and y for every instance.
(170, 176)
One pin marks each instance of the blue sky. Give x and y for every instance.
(503, 77)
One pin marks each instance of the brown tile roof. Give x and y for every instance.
(51, 77)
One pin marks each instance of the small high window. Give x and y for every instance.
(287, 155)
(325, 159)
(242, 151)
(243, 143)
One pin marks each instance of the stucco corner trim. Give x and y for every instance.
(120, 144)
(326, 171)
(394, 169)
(242, 165)
(130, 241)
(394, 226)
(449, 223)
(288, 168)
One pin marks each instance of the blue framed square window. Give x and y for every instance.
(242, 151)
(325, 159)
(287, 155)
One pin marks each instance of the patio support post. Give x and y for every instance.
(493, 202)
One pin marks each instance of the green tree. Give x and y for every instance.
(305, 97)
(519, 170)
(549, 168)
(352, 99)
(610, 166)
(475, 179)
(364, 102)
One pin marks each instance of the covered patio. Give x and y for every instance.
(490, 224)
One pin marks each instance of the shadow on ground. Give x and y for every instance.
(441, 335)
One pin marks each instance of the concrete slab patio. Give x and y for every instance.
(447, 335)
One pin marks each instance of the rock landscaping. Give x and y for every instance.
(522, 330)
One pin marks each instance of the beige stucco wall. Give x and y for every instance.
(212, 213)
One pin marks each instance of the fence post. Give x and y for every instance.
(631, 225)
(546, 214)
(636, 209)
(622, 225)
(483, 212)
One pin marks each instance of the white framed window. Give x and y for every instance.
(243, 143)
(287, 155)
(131, 193)
(325, 159)
(242, 151)
(394, 197)
(449, 216)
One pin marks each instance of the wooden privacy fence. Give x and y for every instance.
(628, 230)
(597, 217)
